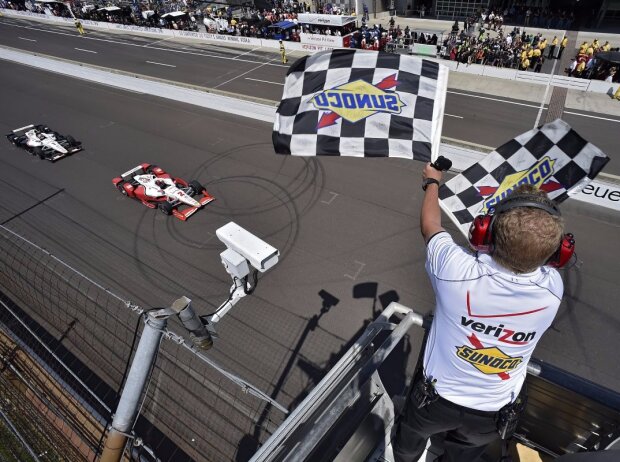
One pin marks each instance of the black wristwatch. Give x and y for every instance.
(429, 181)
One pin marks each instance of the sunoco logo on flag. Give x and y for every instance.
(357, 100)
(553, 158)
(539, 175)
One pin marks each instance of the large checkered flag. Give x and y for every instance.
(361, 103)
(553, 157)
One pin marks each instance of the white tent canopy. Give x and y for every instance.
(174, 14)
(324, 19)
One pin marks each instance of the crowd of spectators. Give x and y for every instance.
(484, 40)
(516, 49)
(586, 65)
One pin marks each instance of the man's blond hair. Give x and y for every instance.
(525, 237)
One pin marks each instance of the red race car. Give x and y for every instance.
(156, 189)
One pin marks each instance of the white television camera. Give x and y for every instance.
(243, 248)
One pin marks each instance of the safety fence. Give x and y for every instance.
(65, 342)
(596, 86)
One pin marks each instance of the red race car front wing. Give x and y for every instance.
(189, 211)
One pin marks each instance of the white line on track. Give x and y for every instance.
(245, 73)
(247, 52)
(452, 115)
(264, 81)
(493, 99)
(161, 64)
(27, 39)
(156, 41)
(592, 117)
(87, 51)
(544, 100)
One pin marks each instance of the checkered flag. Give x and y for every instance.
(363, 104)
(553, 157)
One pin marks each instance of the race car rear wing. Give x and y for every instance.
(129, 174)
(17, 130)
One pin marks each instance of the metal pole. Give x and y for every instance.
(137, 378)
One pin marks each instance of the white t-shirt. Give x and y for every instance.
(487, 323)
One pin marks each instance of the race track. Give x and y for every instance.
(337, 222)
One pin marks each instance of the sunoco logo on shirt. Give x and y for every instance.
(357, 100)
(489, 360)
(537, 175)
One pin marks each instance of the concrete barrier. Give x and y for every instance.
(155, 31)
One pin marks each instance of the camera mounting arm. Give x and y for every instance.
(244, 252)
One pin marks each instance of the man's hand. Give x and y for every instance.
(431, 172)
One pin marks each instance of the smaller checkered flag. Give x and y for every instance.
(363, 104)
(553, 158)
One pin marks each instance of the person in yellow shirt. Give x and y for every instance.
(562, 46)
(583, 47)
(525, 64)
(283, 53)
(79, 27)
(530, 53)
(590, 51)
(595, 45)
(554, 44)
(606, 47)
(542, 45)
(536, 53)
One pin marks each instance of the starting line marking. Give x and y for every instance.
(87, 51)
(27, 39)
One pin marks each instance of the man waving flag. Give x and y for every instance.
(553, 158)
(363, 104)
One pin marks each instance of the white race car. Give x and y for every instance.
(42, 141)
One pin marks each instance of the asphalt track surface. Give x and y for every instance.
(338, 222)
(471, 117)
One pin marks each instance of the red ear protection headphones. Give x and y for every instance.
(481, 230)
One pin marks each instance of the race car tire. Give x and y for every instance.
(121, 187)
(165, 208)
(70, 140)
(150, 168)
(37, 151)
(196, 187)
